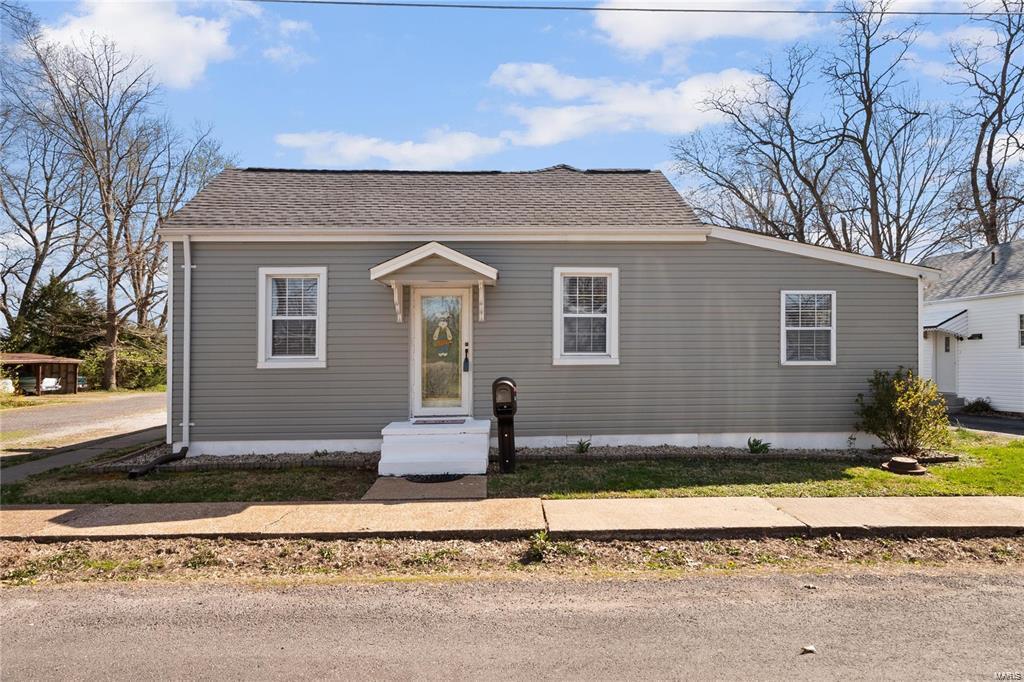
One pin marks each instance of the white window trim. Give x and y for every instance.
(557, 328)
(263, 357)
(783, 328)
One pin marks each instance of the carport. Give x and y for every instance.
(39, 367)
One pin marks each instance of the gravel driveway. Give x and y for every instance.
(85, 417)
(886, 625)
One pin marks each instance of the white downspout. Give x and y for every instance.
(186, 347)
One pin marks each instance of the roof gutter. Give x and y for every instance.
(683, 233)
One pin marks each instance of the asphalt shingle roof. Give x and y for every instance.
(972, 273)
(561, 196)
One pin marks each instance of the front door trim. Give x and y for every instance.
(416, 409)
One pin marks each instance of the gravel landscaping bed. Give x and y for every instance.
(362, 460)
(337, 460)
(630, 452)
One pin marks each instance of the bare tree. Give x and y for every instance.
(903, 152)
(870, 172)
(773, 169)
(100, 105)
(990, 202)
(46, 205)
(44, 197)
(179, 167)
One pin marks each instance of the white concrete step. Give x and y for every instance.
(435, 446)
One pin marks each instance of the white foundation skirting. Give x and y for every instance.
(831, 440)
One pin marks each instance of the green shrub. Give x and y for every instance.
(978, 406)
(138, 366)
(582, 445)
(905, 412)
(757, 446)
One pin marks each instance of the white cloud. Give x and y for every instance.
(930, 67)
(612, 107)
(535, 79)
(440, 149)
(587, 106)
(285, 34)
(289, 27)
(179, 46)
(646, 32)
(966, 33)
(287, 55)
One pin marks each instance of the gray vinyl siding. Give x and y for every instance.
(698, 342)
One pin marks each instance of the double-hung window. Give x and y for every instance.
(292, 317)
(586, 315)
(808, 328)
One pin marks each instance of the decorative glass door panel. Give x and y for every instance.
(441, 352)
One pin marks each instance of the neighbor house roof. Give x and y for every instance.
(256, 199)
(990, 270)
(35, 359)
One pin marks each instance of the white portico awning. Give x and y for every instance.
(434, 264)
(946, 322)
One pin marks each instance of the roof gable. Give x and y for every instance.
(433, 250)
(987, 271)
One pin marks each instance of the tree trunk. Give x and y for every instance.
(110, 361)
(112, 328)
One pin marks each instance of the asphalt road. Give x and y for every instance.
(85, 412)
(1007, 425)
(910, 626)
(83, 418)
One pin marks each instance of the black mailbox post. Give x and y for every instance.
(503, 400)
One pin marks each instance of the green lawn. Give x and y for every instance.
(74, 485)
(990, 465)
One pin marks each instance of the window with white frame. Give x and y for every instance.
(586, 312)
(808, 327)
(292, 317)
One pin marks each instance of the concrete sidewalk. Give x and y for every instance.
(478, 519)
(81, 452)
(707, 517)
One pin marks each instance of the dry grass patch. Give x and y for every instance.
(30, 563)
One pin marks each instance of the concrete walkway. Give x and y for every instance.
(83, 452)
(708, 517)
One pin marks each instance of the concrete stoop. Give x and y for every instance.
(426, 446)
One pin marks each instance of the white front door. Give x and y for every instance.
(945, 362)
(442, 331)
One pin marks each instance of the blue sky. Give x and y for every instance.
(341, 87)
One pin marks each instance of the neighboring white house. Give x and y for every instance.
(974, 325)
